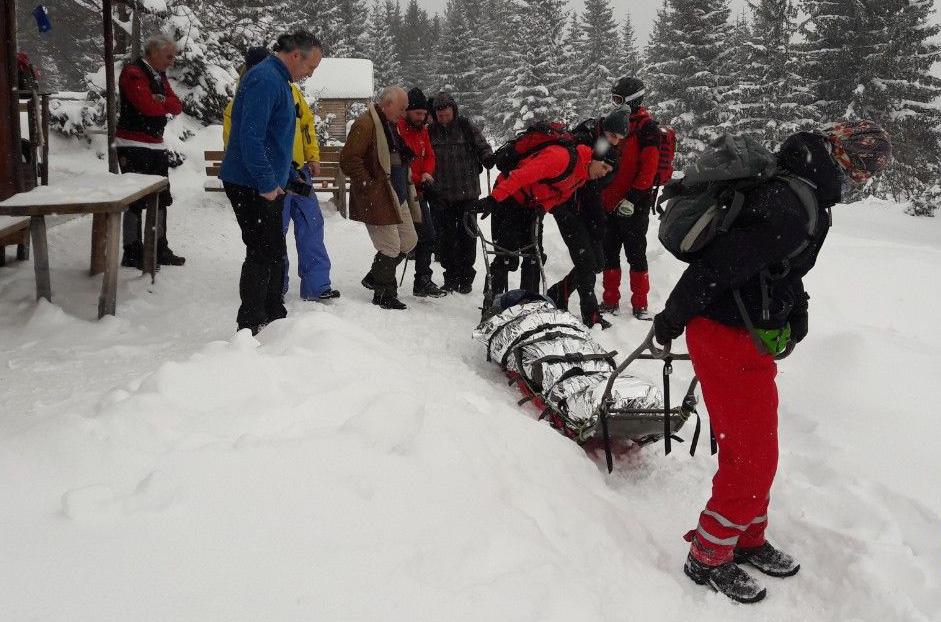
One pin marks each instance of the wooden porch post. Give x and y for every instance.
(99, 221)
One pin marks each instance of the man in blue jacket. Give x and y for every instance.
(256, 169)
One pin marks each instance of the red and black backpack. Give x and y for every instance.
(532, 140)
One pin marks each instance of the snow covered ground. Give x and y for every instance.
(355, 464)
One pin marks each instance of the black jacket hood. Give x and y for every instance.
(805, 154)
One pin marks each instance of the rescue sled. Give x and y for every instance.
(578, 385)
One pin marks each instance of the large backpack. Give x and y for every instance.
(705, 203)
(532, 140)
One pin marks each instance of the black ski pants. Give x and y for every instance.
(628, 233)
(512, 227)
(146, 162)
(457, 247)
(427, 235)
(583, 237)
(263, 269)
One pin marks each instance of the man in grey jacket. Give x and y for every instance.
(462, 153)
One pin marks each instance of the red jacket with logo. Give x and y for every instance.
(525, 183)
(420, 144)
(639, 158)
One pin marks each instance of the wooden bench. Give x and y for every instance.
(14, 230)
(331, 179)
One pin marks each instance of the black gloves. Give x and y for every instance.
(429, 190)
(485, 206)
(665, 329)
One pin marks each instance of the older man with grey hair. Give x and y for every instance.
(382, 195)
(147, 99)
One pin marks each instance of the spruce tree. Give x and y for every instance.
(631, 61)
(599, 63)
(897, 88)
(455, 65)
(573, 49)
(352, 24)
(773, 100)
(380, 45)
(684, 65)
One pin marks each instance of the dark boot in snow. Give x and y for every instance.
(133, 256)
(642, 314)
(388, 300)
(166, 257)
(426, 288)
(727, 579)
(595, 318)
(768, 560)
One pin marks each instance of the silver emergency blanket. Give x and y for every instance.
(560, 362)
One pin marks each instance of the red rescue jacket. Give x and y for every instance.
(639, 158)
(420, 144)
(524, 183)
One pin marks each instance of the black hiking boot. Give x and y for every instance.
(368, 282)
(642, 314)
(596, 318)
(609, 309)
(133, 256)
(166, 257)
(465, 288)
(388, 301)
(768, 560)
(727, 579)
(425, 288)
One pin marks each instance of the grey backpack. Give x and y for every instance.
(706, 201)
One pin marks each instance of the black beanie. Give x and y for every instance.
(417, 100)
(618, 122)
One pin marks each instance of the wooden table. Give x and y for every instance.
(102, 193)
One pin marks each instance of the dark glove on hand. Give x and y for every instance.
(639, 198)
(798, 322)
(485, 206)
(664, 329)
(429, 190)
(487, 161)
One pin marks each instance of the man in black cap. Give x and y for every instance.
(462, 154)
(413, 129)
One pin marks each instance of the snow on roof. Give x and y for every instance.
(341, 78)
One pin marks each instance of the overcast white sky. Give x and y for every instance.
(642, 12)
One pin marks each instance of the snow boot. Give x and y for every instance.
(327, 294)
(595, 318)
(133, 256)
(388, 300)
(559, 294)
(727, 579)
(642, 314)
(166, 257)
(609, 309)
(465, 287)
(426, 288)
(768, 560)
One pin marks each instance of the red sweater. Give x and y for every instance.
(524, 184)
(420, 144)
(639, 157)
(134, 87)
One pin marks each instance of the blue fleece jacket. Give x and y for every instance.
(261, 141)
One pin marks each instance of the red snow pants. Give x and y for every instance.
(742, 399)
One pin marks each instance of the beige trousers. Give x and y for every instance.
(394, 240)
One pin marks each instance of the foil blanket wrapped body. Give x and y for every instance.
(555, 358)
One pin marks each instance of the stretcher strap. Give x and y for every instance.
(526, 335)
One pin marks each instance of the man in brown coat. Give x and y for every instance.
(376, 160)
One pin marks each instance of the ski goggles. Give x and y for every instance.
(620, 100)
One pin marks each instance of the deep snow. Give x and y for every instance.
(355, 464)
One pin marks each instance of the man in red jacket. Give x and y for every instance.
(146, 99)
(413, 129)
(541, 182)
(627, 200)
